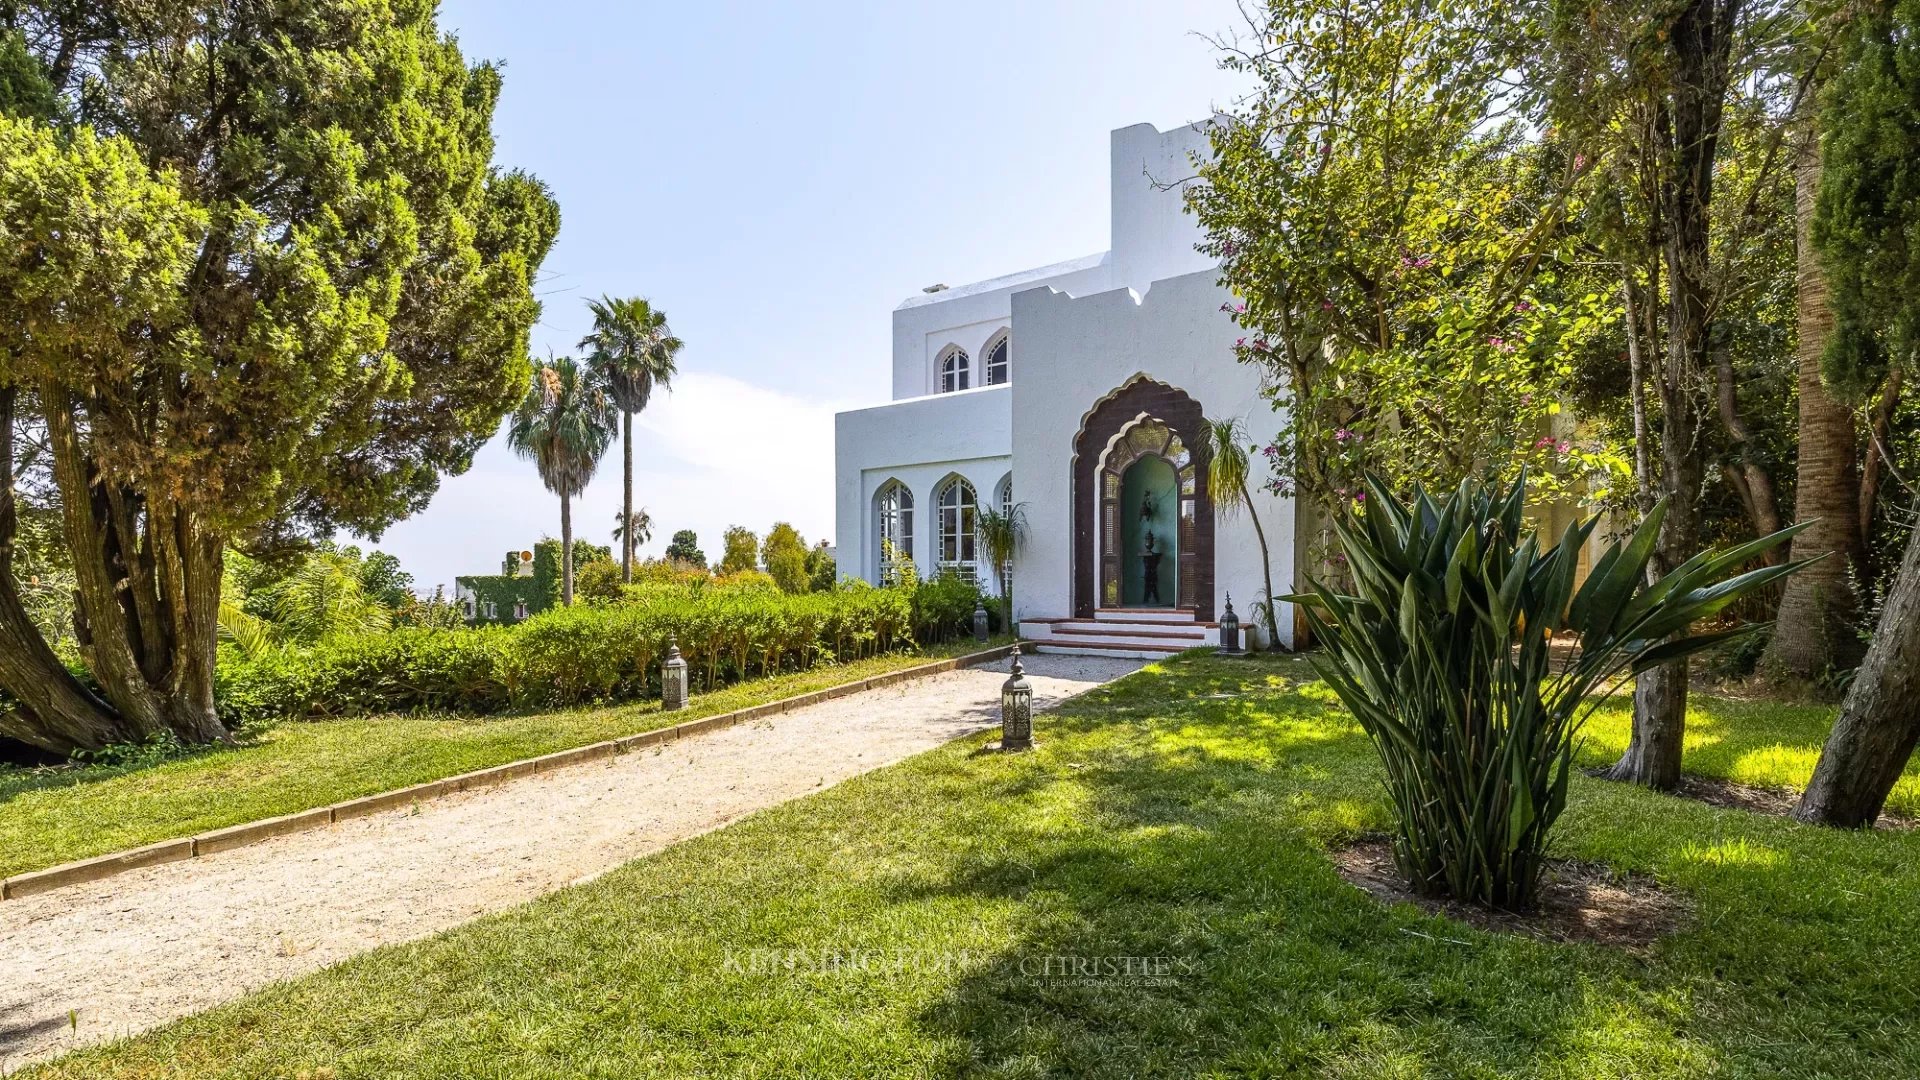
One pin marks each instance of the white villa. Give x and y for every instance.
(1077, 391)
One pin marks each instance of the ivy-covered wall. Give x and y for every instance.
(539, 592)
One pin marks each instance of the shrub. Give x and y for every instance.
(1443, 657)
(730, 630)
(943, 607)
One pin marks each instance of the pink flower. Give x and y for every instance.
(1260, 345)
(1545, 440)
(1579, 162)
(1563, 446)
(1326, 305)
(1342, 435)
(1240, 343)
(1523, 307)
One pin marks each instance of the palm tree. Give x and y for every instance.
(563, 426)
(642, 523)
(1227, 490)
(632, 346)
(1003, 535)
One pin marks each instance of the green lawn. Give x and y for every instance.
(52, 816)
(1183, 814)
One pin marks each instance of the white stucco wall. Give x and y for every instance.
(919, 442)
(1092, 345)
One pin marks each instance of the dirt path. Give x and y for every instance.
(96, 961)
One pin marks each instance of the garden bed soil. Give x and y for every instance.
(1584, 903)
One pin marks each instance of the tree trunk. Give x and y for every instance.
(1746, 473)
(1879, 721)
(52, 710)
(1687, 134)
(566, 551)
(1816, 631)
(626, 522)
(147, 598)
(1266, 568)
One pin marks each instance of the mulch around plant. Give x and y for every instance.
(1585, 903)
(1774, 802)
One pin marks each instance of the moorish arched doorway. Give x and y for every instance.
(1140, 478)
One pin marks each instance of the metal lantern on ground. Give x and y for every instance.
(1230, 630)
(1016, 708)
(673, 679)
(980, 620)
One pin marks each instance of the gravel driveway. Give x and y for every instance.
(105, 959)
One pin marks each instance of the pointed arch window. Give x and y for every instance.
(998, 365)
(893, 526)
(1005, 500)
(956, 369)
(959, 542)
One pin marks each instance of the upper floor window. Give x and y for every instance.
(955, 370)
(959, 528)
(998, 368)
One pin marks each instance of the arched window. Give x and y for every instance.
(955, 370)
(893, 526)
(958, 528)
(998, 368)
(1006, 511)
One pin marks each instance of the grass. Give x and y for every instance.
(52, 816)
(929, 919)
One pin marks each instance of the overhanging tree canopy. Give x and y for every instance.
(263, 282)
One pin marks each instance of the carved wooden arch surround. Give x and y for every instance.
(1179, 411)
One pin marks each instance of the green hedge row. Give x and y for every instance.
(583, 654)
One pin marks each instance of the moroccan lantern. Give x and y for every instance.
(673, 679)
(1230, 630)
(979, 619)
(1016, 708)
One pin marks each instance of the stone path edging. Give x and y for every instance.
(252, 832)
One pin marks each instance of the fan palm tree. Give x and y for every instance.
(633, 348)
(1227, 490)
(642, 530)
(563, 426)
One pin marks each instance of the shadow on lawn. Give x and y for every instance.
(1192, 921)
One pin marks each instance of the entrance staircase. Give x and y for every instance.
(1143, 633)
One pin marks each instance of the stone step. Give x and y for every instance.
(1094, 648)
(1167, 615)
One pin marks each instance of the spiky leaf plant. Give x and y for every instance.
(1444, 655)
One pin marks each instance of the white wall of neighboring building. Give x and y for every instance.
(1176, 334)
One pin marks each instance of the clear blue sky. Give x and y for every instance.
(778, 177)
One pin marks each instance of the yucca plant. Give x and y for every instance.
(1444, 656)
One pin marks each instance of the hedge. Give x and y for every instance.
(582, 654)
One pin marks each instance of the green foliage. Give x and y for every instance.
(1445, 656)
(823, 572)
(598, 582)
(564, 425)
(570, 656)
(1867, 225)
(632, 347)
(546, 567)
(943, 607)
(24, 89)
(741, 550)
(685, 548)
(1392, 231)
(785, 555)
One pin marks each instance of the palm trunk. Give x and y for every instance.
(1815, 632)
(1878, 724)
(1266, 567)
(626, 522)
(566, 551)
